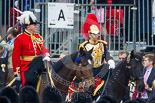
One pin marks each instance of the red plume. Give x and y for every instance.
(90, 20)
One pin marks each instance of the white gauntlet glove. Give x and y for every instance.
(18, 78)
(47, 58)
(111, 64)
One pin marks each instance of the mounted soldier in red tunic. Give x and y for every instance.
(27, 46)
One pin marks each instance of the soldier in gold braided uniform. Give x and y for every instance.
(101, 56)
(99, 53)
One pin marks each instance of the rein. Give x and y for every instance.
(51, 80)
(79, 65)
(132, 79)
(121, 83)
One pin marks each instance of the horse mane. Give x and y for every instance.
(39, 65)
(138, 56)
(61, 63)
(35, 69)
(69, 59)
(119, 64)
(125, 59)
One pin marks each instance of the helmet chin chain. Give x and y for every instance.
(92, 36)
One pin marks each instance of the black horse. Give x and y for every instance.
(3, 71)
(128, 69)
(60, 74)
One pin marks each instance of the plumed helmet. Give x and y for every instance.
(28, 95)
(10, 93)
(51, 95)
(90, 25)
(27, 18)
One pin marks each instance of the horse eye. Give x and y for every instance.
(89, 61)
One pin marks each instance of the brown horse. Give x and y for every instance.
(61, 74)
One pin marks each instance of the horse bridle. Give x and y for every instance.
(131, 78)
(79, 65)
(129, 68)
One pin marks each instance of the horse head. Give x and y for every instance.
(84, 70)
(3, 71)
(135, 67)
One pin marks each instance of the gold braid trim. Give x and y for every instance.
(83, 45)
(38, 84)
(36, 40)
(98, 88)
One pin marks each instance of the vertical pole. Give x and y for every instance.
(75, 34)
(37, 14)
(153, 23)
(1, 17)
(134, 27)
(46, 23)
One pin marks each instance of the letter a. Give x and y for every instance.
(61, 15)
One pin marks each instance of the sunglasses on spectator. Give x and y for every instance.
(121, 58)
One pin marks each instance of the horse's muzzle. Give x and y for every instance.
(91, 89)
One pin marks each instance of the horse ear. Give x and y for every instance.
(90, 51)
(81, 51)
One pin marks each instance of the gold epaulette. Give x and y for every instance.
(104, 42)
(82, 45)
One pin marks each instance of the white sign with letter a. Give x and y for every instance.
(61, 15)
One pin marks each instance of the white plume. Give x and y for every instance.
(24, 18)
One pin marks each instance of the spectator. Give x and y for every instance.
(13, 13)
(10, 93)
(151, 98)
(122, 55)
(81, 97)
(149, 75)
(9, 45)
(51, 95)
(28, 95)
(4, 99)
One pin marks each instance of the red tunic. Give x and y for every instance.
(23, 47)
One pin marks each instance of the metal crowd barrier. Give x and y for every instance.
(124, 26)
